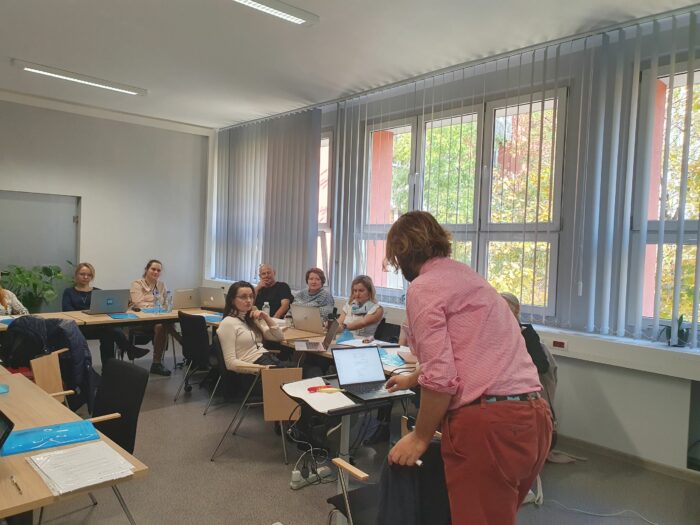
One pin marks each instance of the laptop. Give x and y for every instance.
(186, 298)
(307, 318)
(361, 374)
(108, 302)
(315, 346)
(212, 298)
(6, 426)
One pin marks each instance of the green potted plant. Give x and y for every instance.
(33, 286)
(683, 333)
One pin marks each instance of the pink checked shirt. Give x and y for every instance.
(466, 338)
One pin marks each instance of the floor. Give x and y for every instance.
(249, 483)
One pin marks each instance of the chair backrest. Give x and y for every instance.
(121, 390)
(549, 378)
(387, 332)
(47, 373)
(195, 337)
(278, 406)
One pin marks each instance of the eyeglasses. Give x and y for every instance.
(246, 297)
(85, 274)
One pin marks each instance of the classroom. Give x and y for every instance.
(269, 142)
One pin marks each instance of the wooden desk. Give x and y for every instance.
(104, 319)
(29, 406)
(47, 315)
(293, 334)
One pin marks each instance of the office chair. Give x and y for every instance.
(387, 332)
(195, 347)
(47, 375)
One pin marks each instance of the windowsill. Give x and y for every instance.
(622, 352)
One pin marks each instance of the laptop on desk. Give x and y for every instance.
(186, 298)
(316, 346)
(108, 302)
(307, 318)
(6, 426)
(212, 298)
(361, 374)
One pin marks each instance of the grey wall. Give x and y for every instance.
(142, 189)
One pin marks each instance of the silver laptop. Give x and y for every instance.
(316, 346)
(108, 302)
(186, 298)
(212, 298)
(361, 374)
(307, 318)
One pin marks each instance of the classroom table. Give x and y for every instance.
(48, 315)
(29, 406)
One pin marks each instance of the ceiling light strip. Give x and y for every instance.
(78, 79)
(281, 10)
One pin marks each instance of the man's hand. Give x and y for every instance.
(401, 382)
(408, 450)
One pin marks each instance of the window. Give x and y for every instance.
(507, 226)
(672, 194)
(323, 243)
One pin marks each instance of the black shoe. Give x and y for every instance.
(159, 369)
(134, 352)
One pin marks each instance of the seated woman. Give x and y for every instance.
(532, 338)
(362, 314)
(78, 298)
(144, 292)
(243, 329)
(9, 304)
(316, 294)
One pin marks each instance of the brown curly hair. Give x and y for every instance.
(413, 239)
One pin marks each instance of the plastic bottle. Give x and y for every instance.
(168, 301)
(266, 308)
(156, 301)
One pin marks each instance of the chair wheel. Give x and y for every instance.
(188, 388)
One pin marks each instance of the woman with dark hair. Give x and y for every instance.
(477, 380)
(78, 297)
(243, 329)
(362, 315)
(148, 292)
(316, 293)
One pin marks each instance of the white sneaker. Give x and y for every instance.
(530, 498)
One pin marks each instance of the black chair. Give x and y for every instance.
(121, 390)
(195, 347)
(387, 332)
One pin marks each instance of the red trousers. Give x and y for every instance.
(493, 453)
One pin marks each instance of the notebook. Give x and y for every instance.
(212, 298)
(315, 346)
(307, 318)
(186, 298)
(108, 302)
(361, 374)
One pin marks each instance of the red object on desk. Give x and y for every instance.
(313, 389)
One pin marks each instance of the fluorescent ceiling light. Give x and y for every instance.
(281, 10)
(78, 78)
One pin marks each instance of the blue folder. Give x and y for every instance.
(38, 438)
(6, 321)
(213, 318)
(124, 316)
(390, 359)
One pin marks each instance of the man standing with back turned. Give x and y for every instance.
(271, 291)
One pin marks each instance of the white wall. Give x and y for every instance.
(143, 189)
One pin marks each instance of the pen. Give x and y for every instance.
(14, 482)
(330, 390)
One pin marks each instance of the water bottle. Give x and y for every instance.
(266, 308)
(168, 301)
(156, 300)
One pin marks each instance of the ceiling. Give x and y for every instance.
(215, 63)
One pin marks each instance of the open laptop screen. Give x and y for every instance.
(358, 365)
(6, 427)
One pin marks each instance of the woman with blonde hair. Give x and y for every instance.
(362, 315)
(78, 297)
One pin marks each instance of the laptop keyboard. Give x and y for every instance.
(366, 388)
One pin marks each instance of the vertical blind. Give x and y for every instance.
(567, 173)
(267, 198)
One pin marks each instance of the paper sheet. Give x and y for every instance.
(319, 401)
(74, 468)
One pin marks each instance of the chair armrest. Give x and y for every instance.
(63, 393)
(353, 471)
(60, 351)
(249, 369)
(106, 417)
